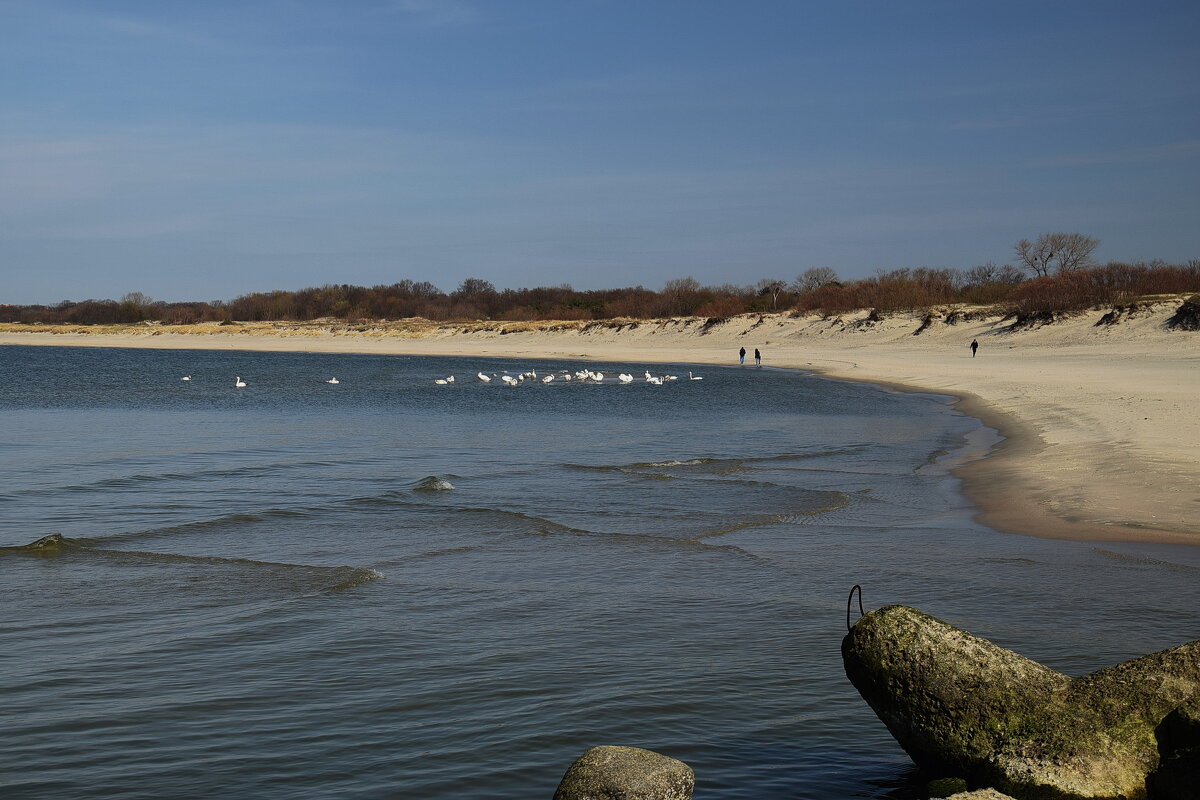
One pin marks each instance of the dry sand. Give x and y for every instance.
(1101, 422)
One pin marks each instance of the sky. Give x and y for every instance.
(206, 149)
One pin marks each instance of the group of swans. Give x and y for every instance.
(583, 376)
(566, 376)
(238, 383)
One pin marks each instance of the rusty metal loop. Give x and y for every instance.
(853, 589)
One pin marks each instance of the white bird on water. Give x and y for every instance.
(333, 380)
(186, 378)
(484, 378)
(239, 383)
(692, 377)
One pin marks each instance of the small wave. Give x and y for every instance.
(326, 578)
(222, 521)
(432, 483)
(1136, 559)
(392, 497)
(541, 524)
(358, 576)
(140, 479)
(674, 462)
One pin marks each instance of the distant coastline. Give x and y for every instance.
(1097, 413)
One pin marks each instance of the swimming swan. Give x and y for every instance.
(239, 383)
(333, 380)
(692, 377)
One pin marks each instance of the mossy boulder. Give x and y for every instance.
(964, 707)
(626, 773)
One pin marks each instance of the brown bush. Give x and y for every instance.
(722, 307)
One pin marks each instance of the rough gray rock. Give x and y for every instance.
(961, 706)
(982, 794)
(626, 773)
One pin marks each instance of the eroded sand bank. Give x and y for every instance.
(1102, 422)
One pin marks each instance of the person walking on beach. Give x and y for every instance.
(757, 358)
(742, 356)
(974, 347)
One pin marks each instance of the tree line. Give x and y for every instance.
(1054, 273)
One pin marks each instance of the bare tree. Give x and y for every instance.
(770, 286)
(990, 273)
(814, 278)
(1061, 252)
(473, 287)
(681, 286)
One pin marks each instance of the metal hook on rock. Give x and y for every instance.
(861, 612)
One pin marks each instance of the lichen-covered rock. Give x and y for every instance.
(981, 794)
(961, 706)
(626, 773)
(945, 787)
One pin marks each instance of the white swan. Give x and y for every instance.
(625, 378)
(239, 383)
(450, 379)
(692, 377)
(484, 378)
(548, 379)
(440, 381)
(186, 378)
(333, 380)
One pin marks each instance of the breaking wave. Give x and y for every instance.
(432, 483)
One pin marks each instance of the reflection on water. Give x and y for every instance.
(388, 587)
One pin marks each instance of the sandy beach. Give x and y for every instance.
(1100, 421)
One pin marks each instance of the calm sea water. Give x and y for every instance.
(388, 588)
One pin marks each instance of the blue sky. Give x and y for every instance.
(202, 150)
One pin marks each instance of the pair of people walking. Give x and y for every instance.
(757, 357)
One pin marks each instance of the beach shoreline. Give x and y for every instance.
(1097, 421)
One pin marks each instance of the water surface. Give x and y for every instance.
(390, 588)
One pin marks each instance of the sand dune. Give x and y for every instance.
(1102, 422)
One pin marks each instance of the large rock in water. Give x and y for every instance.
(626, 773)
(961, 706)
